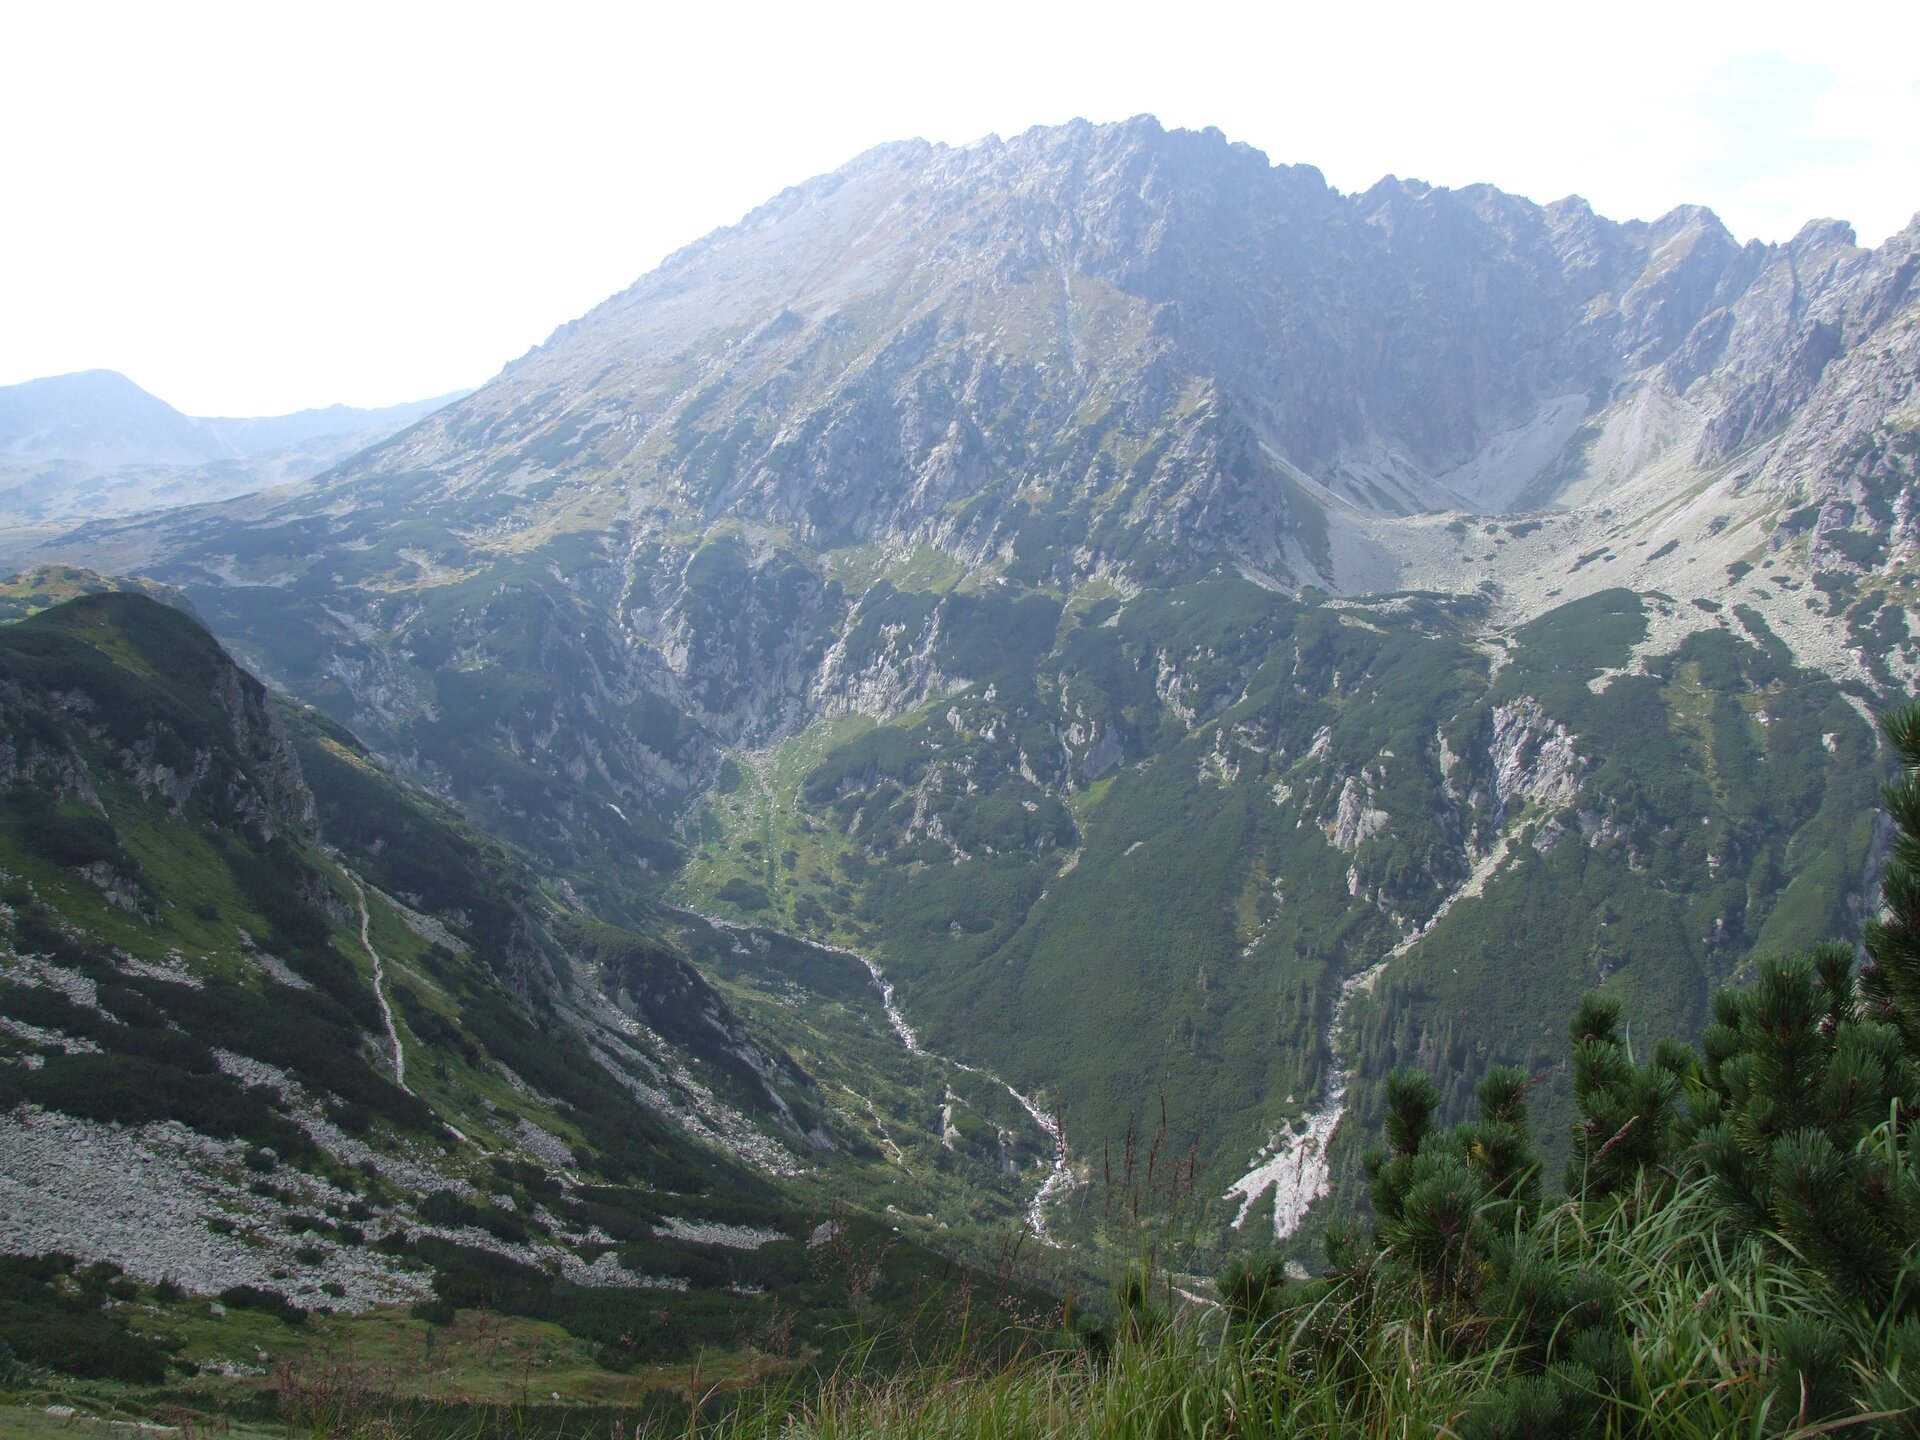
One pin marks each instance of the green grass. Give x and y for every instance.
(1354, 1357)
(384, 1372)
(748, 831)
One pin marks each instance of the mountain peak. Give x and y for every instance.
(1823, 234)
(1021, 453)
(100, 417)
(97, 381)
(1383, 344)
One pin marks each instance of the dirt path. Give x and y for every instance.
(379, 977)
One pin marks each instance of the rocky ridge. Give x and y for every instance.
(1083, 356)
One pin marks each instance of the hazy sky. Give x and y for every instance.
(259, 207)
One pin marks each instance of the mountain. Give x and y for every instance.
(95, 443)
(102, 419)
(275, 1030)
(1210, 639)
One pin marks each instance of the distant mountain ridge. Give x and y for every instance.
(103, 418)
(95, 443)
(100, 417)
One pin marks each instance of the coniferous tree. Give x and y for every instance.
(1801, 1110)
(1789, 1140)
(1626, 1110)
(1891, 979)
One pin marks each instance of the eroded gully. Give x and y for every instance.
(1296, 1165)
(1060, 1175)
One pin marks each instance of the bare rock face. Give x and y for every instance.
(1041, 310)
(1356, 820)
(1852, 437)
(1535, 759)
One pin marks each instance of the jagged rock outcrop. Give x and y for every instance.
(1535, 758)
(1356, 820)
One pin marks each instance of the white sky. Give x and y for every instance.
(259, 207)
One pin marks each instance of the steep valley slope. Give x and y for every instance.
(275, 1030)
(1127, 591)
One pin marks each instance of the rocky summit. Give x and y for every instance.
(1196, 639)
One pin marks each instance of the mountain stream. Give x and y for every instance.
(1060, 1176)
(758, 765)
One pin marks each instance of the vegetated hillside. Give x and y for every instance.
(1103, 471)
(1324, 789)
(238, 1061)
(1733, 1252)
